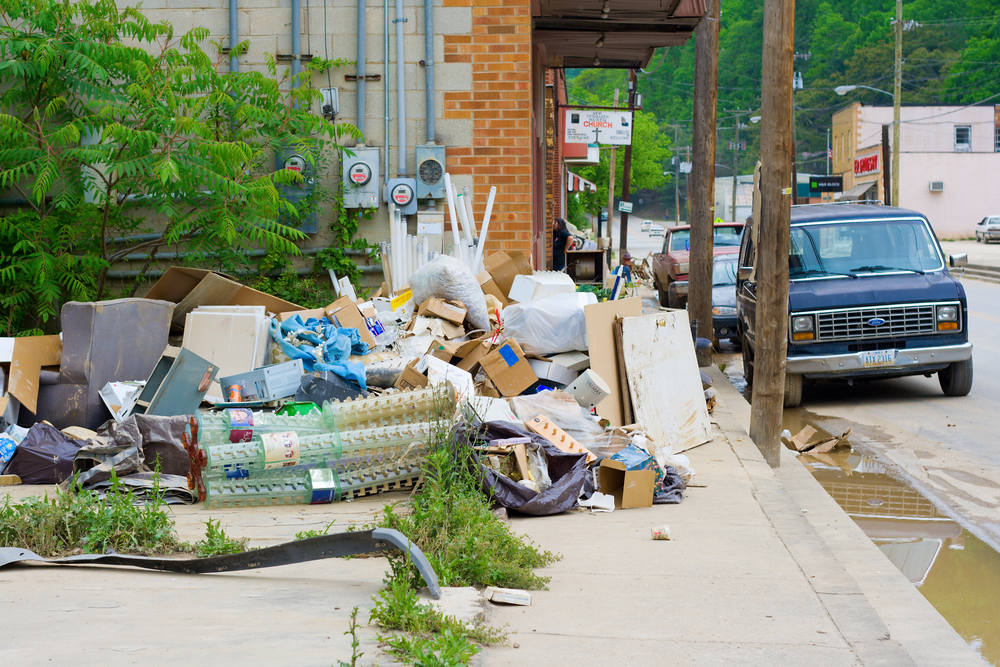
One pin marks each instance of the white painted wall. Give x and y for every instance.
(927, 129)
(970, 193)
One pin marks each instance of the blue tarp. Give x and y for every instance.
(322, 346)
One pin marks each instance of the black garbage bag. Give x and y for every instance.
(45, 456)
(570, 477)
(670, 490)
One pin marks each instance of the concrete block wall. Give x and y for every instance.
(482, 83)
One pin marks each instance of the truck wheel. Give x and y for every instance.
(956, 380)
(793, 390)
(747, 362)
(664, 298)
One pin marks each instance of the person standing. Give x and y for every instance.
(562, 241)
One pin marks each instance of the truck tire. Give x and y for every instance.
(956, 380)
(664, 298)
(793, 390)
(747, 362)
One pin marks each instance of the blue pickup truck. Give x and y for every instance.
(870, 297)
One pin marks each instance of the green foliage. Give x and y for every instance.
(306, 534)
(84, 523)
(575, 213)
(352, 630)
(112, 126)
(217, 543)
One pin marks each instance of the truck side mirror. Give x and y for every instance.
(744, 272)
(958, 259)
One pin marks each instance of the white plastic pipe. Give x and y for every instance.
(450, 193)
(483, 231)
(463, 215)
(469, 221)
(393, 270)
(427, 251)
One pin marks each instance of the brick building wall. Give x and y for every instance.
(499, 107)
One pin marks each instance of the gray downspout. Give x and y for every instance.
(400, 90)
(362, 58)
(429, 68)
(385, 85)
(234, 35)
(296, 38)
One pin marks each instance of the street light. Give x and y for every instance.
(843, 90)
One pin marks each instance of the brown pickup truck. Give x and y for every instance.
(670, 266)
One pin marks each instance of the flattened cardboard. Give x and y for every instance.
(452, 311)
(411, 378)
(318, 313)
(190, 288)
(603, 357)
(474, 357)
(509, 370)
(630, 488)
(228, 341)
(490, 287)
(349, 316)
(28, 356)
(503, 266)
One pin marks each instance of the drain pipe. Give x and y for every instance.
(400, 90)
(234, 35)
(296, 38)
(362, 58)
(385, 88)
(429, 68)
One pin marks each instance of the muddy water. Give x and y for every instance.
(958, 573)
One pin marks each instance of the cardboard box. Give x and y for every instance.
(453, 311)
(318, 313)
(190, 288)
(491, 288)
(411, 378)
(540, 285)
(551, 371)
(509, 370)
(575, 361)
(348, 316)
(630, 488)
(436, 326)
(503, 266)
(474, 356)
(22, 360)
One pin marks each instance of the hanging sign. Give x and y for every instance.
(866, 165)
(602, 127)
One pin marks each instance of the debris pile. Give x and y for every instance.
(244, 399)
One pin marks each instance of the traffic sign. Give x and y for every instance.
(625, 206)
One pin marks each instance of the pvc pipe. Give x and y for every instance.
(362, 58)
(234, 35)
(400, 91)
(385, 89)
(427, 252)
(393, 248)
(429, 69)
(296, 38)
(450, 194)
(484, 230)
(469, 209)
(463, 215)
(420, 255)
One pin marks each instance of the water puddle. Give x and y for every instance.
(957, 573)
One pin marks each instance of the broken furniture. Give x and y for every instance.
(103, 342)
(176, 385)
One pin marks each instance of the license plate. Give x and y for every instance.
(878, 358)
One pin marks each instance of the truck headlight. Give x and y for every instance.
(947, 318)
(723, 310)
(802, 327)
(683, 269)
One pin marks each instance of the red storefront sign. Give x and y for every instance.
(866, 165)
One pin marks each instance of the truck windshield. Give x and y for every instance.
(722, 237)
(852, 248)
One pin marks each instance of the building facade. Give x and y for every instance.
(949, 158)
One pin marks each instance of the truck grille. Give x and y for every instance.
(853, 323)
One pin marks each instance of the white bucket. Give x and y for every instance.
(588, 389)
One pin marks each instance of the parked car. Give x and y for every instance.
(988, 229)
(646, 224)
(724, 270)
(670, 267)
(656, 230)
(869, 297)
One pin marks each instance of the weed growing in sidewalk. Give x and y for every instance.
(306, 534)
(217, 543)
(352, 630)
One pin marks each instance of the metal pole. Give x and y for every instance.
(896, 98)
(296, 38)
(362, 57)
(429, 69)
(827, 151)
(385, 86)
(626, 174)
(234, 35)
(886, 170)
(677, 182)
(400, 91)
(611, 181)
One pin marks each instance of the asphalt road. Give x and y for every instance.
(640, 244)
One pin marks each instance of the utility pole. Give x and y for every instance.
(896, 97)
(827, 151)
(701, 204)
(772, 251)
(677, 181)
(736, 148)
(886, 171)
(611, 180)
(626, 173)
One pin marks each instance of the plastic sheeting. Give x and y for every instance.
(551, 325)
(568, 472)
(45, 456)
(321, 346)
(448, 278)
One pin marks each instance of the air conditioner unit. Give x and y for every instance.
(937, 186)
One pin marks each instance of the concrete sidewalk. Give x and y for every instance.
(763, 569)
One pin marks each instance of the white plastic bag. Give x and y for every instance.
(448, 278)
(682, 464)
(550, 325)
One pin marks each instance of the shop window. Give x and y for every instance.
(963, 138)
(996, 140)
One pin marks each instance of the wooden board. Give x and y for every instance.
(664, 380)
(628, 415)
(603, 358)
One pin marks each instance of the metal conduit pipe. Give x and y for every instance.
(296, 38)
(400, 91)
(234, 35)
(362, 58)
(429, 68)
(141, 257)
(385, 86)
(368, 268)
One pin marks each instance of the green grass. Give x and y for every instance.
(217, 543)
(306, 534)
(352, 630)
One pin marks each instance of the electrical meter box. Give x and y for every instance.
(430, 171)
(300, 160)
(361, 179)
(403, 193)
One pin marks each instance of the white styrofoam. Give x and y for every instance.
(540, 284)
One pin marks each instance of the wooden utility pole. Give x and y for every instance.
(897, 96)
(626, 173)
(702, 202)
(775, 211)
(736, 152)
(886, 171)
(611, 180)
(677, 181)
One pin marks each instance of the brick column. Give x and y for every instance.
(499, 106)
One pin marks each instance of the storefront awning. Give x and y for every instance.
(860, 192)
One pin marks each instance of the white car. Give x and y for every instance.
(656, 230)
(646, 224)
(988, 229)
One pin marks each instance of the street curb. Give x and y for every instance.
(880, 614)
